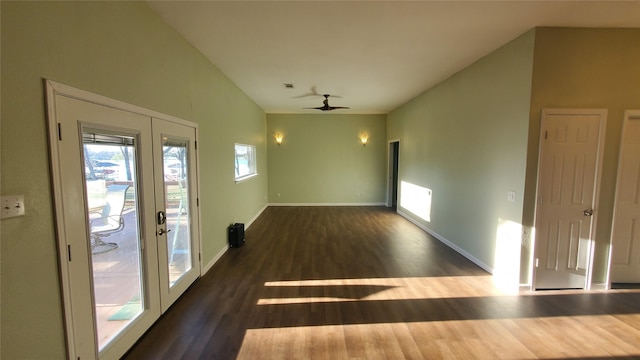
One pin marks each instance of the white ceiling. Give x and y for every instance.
(376, 55)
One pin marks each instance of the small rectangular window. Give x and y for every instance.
(245, 161)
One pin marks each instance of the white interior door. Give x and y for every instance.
(176, 208)
(119, 272)
(625, 238)
(568, 177)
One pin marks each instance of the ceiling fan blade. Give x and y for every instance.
(326, 106)
(305, 95)
(313, 92)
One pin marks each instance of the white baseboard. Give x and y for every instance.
(246, 226)
(327, 204)
(215, 259)
(594, 287)
(525, 288)
(599, 286)
(455, 247)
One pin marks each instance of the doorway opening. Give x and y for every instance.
(392, 192)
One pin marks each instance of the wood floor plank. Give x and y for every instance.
(364, 283)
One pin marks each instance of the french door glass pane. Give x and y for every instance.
(176, 188)
(112, 207)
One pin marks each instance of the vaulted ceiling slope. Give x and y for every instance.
(375, 55)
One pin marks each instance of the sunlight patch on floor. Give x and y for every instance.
(506, 268)
(526, 338)
(377, 289)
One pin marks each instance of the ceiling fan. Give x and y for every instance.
(326, 106)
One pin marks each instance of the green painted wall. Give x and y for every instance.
(585, 68)
(322, 161)
(466, 140)
(470, 139)
(124, 51)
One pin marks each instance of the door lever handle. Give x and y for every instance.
(162, 232)
(587, 212)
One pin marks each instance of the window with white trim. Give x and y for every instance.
(245, 161)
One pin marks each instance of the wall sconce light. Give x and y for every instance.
(279, 137)
(363, 139)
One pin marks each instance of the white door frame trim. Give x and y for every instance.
(53, 89)
(601, 140)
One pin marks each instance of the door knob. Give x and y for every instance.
(162, 232)
(587, 212)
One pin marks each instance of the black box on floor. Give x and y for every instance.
(236, 235)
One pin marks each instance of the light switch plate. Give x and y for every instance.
(12, 206)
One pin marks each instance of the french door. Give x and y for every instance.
(127, 219)
(174, 146)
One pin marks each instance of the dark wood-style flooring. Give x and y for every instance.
(364, 283)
